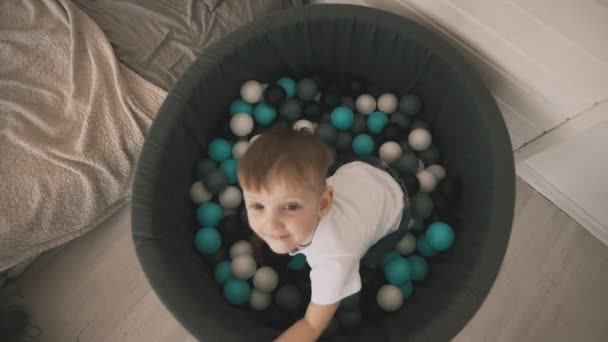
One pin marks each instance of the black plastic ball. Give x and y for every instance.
(407, 164)
(422, 206)
(204, 167)
(215, 181)
(343, 141)
(351, 302)
(330, 99)
(274, 95)
(312, 111)
(430, 155)
(289, 298)
(401, 119)
(359, 125)
(291, 109)
(411, 184)
(405, 146)
(393, 132)
(350, 319)
(327, 133)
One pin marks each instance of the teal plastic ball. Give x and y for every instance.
(363, 145)
(222, 272)
(390, 256)
(376, 122)
(229, 168)
(398, 271)
(237, 291)
(297, 262)
(209, 214)
(207, 240)
(219, 150)
(407, 289)
(440, 236)
(240, 106)
(288, 85)
(264, 114)
(420, 267)
(417, 226)
(424, 248)
(342, 118)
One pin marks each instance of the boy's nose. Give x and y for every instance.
(275, 224)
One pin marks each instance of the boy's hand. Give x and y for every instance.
(311, 327)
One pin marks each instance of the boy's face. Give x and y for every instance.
(285, 217)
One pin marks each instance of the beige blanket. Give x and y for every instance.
(72, 123)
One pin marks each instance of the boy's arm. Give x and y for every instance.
(311, 327)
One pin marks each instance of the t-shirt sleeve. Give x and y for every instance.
(334, 279)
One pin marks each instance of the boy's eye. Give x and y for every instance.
(256, 206)
(291, 207)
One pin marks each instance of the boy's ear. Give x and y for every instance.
(326, 200)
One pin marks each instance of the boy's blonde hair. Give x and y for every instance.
(297, 158)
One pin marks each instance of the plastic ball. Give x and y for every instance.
(417, 226)
(239, 248)
(350, 319)
(365, 104)
(204, 167)
(288, 298)
(410, 104)
(281, 124)
(393, 132)
(199, 194)
(306, 89)
(406, 164)
(397, 271)
(209, 214)
(407, 244)
(259, 300)
(237, 291)
(420, 267)
(401, 120)
(297, 262)
(304, 125)
(420, 139)
(430, 155)
(343, 141)
(422, 206)
(421, 166)
(215, 182)
(219, 150)
(239, 149)
(229, 168)
(243, 266)
(241, 124)
(407, 289)
(351, 302)
(291, 109)
(327, 133)
(411, 184)
(376, 122)
(437, 170)
(388, 103)
(342, 118)
(363, 145)
(424, 248)
(347, 101)
(440, 236)
(254, 138)
(427, 180)
(251, 91)
(312, 111)
(330, 99)
(207, 240)
(390, 151)
(359, 125)
(222, 272)
(264, 113)
(218, 256)
(390, 256)
(240, 106)
(289, 85)
(231, 197)
(274, 95)
(390, 298)
(266, 279)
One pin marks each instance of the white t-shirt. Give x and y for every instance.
(367, 205)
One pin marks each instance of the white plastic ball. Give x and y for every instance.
(420, 139)
(266, 279)
(252, 91)
(243, 266)
(241, 124)
(388, 103)
(239, 248)
(390, 151)
(304, 125)
(259, 300)
(365, 104)
(406, 245)
(254, 138)
(199, 194)
(427, 181)
(437, 170)
(231, 197)
(389, 298)
(239, 149)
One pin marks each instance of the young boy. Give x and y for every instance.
(295, 208)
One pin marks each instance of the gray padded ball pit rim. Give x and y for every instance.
(385, 49)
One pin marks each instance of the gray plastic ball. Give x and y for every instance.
(266, 279)
(407, 164)
(422, 206)
(389, 298)
(243, 266)
(307, 89)
(291, 109)
(216, 182)
(288, 298)
(259, 300)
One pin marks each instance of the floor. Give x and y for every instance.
(552, 286)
